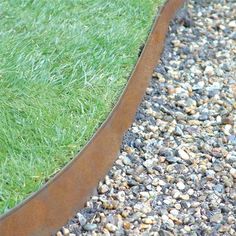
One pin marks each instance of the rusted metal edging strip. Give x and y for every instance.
(49, 208)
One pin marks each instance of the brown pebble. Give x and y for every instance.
(127, 225)
(227, 121)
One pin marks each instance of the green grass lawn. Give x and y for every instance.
(63, 65)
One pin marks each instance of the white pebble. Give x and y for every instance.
(174, 212)
(111, 228)
(180, 186)
(233, 172)
(121, 196)
(183, 155)
(209, 70)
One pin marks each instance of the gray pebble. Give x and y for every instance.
(82, 220)
(90, 227)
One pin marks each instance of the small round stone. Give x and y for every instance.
(216, 218)
(65, 231)
(233, 172)
(187, 228)
(103, 188)
(90, 227)
(82, 220)
(180, 185)
(59, 233)
(183, 155)
(110, 227)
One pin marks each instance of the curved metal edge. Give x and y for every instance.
(49, 208)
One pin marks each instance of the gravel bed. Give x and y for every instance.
(176, 172)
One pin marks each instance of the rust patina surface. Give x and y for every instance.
(49, 208)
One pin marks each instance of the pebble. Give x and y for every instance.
(127, 161)
(231, 220)
(183, 155)
(187, 228)
(59, 233)
(199, 85)
(127, 225)
(219, 188)
(216, 218)
(184, 196)
(180, 185)
(174, 212)
(190, 192)
(165, 233)
(172, 159)
(111, 228)
(231, 158)
(179, 131)
(103, 188)
(148, 221)
(178, 206)
(210, 174)
(233, 172)
(82, 220)
(65, 231)
(148, 163)
(90, 227)
(232, 24)
(209, 70)
(121, 196)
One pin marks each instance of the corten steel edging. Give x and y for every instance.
(49, 208)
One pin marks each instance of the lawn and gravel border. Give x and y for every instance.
(59, 79)
(176, 171)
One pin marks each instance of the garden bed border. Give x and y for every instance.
(43, 213)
